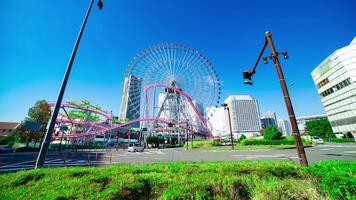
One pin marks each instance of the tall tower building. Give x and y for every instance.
(269, 118)
(131, 95)
(245, 115)
(284, 127)
(334, 80)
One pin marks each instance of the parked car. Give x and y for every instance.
(135, 148)
(5, 149)
(317, 140)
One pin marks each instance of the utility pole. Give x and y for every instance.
(48, 136)
(226, 107)
(298, 141)
(247, 75)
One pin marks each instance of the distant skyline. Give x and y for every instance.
(37, 38)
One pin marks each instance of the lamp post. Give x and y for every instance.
(48, 136)
(226, 107)
(247, 75)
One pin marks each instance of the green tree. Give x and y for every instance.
(39, 113)
(83, 114)
(241, 138)
(272, 133)
(319, 127)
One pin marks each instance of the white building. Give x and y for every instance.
(130, 103)
(216, 119)
(302, 120)
(269, 118)
(284, 127)
(334, 79)
(245, 115)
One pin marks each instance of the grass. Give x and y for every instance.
(238, 147)
(181, 180)
(210, 145)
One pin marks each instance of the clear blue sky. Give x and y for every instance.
(37, 37)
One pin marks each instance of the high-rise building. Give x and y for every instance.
(245, 115)
(269, 118)
(131, 96)
(284, 127)
(216, 119)
(334, 79)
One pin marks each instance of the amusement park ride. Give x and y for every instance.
(177, 83)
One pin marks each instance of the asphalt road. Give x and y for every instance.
(19, 161)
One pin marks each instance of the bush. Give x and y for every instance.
(8, 140)
(272, 133)
(24, 149)
(339, 140)
(267, 142)
(241, 138)
(155, 140)
(336, 179)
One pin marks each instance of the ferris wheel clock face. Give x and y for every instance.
(174, 65)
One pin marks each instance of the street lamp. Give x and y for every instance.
(248, 80)
(48, 136)
(226, 107)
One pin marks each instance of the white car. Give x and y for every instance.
(317, 140)
(135, 148)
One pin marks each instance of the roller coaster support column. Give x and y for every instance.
(47, 139)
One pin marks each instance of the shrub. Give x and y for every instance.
(267, 142)
(242, 137)
(272, 133)
(8, 140)
(339, 140)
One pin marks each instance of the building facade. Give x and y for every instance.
(334, 79)
(131, 99)
(216, 119)
(269, 118)
(245, 115)
(7, 128)
(284, 127)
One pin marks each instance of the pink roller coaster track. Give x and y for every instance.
(181, 92)
(102, 129)
(106, 129)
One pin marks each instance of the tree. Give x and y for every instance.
(39, 113)
(272, 133)
(319, 127)
(242, 137)
(83, 114)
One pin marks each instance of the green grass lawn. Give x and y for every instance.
(209, 144)
(186, 180)
(238, 147)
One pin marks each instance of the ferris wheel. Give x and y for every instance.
(176, 66)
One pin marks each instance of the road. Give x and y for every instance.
(25, 160)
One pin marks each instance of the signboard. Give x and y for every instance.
(32, 126)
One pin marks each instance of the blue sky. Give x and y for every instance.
(37, 38)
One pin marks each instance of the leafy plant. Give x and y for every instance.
(272, 133)
(319, 127)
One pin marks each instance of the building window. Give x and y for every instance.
(322, 83)
(336, 87)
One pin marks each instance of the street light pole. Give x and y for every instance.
(228, 113)
(247, 75)
(48, 136)
(298, 141)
